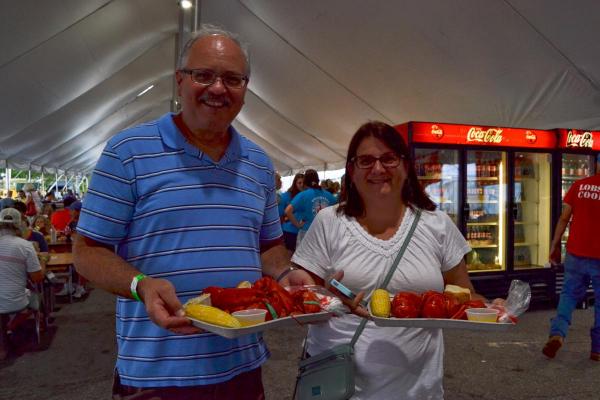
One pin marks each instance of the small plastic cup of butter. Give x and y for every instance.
(251, 316)
(482, 314)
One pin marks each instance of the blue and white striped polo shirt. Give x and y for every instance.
(175, 214)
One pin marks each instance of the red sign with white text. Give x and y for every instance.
(577, 139)
(477, 135)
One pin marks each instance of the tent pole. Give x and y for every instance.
(7, 171)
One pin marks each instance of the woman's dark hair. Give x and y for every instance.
(413, 194)
(294, 188)
(311, 179)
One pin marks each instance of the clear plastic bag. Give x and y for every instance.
(327, 300)
(517, 302)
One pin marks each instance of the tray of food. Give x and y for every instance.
(251, 308)
(232, 333)
(452, 309)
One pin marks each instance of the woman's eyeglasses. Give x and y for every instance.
(387, 160)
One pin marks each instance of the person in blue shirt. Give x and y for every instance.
(188, 202)
(308, 203)
(8, 201)
(290, 232)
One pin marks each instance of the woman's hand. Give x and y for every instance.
(163, 306)
(298, 277)
(356, 305)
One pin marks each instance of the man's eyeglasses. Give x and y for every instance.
(207, 77)
(387, 160)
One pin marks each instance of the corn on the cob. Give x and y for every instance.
(380, 303)
(212, 315)
(244, 284)
(202, 299)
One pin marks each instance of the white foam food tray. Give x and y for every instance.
(232, 333)
(441, 323)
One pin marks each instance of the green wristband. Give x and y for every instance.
(134, 282)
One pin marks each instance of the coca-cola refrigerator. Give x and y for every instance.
(579, 155)
(495, 183)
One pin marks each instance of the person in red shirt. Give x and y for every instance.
(581, 208)
(61, 218)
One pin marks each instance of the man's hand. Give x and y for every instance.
(298, 277)
(163, 306)
(555, 256)
(354, 304)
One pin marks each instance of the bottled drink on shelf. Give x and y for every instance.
(478, 170)
(572, 168)
(527, 168)
(494, 170)
(579, 170)
(586, 169)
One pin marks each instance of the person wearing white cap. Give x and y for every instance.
(32, 200)
(18, 261)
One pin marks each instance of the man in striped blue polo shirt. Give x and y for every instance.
(189, 203)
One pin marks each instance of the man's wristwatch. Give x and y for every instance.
(284, 273)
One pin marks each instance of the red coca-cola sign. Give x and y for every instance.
(481, 135)
(579, 139)
(530, 137)
(584, 139)
(474, 135)
(437, 132)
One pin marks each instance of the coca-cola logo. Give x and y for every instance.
(437, 132)
(492, 135)
(585, 139)
(531, 137)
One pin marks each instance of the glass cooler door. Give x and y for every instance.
(531, 210)
(485, 210)
(437, 171)
(573, 168)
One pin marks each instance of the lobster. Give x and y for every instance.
(461, 313)
(430, 304)
(265, 294)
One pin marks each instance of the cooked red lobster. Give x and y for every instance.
(265, 294)
(431, 305)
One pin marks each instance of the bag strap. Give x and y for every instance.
(391, 271)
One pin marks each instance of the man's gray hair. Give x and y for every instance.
(212, 30)
(6, 230)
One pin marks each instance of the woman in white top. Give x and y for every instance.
(361, 237)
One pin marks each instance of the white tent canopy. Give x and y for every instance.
(70, 70)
